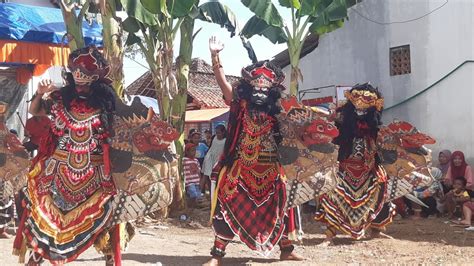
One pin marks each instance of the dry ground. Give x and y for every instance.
(427, 241)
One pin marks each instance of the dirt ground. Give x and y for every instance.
(427, 241)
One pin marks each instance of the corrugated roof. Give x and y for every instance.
(203, 86)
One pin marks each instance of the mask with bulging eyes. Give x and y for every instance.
(259, 95)
(262, 77)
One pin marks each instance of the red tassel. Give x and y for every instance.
(116, 246)
(291, 222)
(106, 149)
(19, 232)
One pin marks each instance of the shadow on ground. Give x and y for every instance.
(180, 260)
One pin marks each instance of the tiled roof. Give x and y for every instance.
(203, 86)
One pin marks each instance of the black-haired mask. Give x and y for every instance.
(262, 79)
(88, 65)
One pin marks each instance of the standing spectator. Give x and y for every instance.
(213, 155)
(201, 148)
(459, 168)
(192, 174)
(208, 137)
(444, 159)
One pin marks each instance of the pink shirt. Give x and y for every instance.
(467, 175)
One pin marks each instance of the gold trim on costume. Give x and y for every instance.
(363, 99)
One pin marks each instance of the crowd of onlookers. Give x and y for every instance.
(201, 153)
(451, 194)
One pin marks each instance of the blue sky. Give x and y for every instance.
(233, 57)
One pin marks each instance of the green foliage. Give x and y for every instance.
(307, 16)
(265, 10)
(169, 8)
(135, 9)
(290, 3)
(217, 13)
(258, 26)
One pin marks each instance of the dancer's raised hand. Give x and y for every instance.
(215, 45)
(45, 86)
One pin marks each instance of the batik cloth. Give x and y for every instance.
(251, 192)
(6, 207)
(69, 193)
(358, 201)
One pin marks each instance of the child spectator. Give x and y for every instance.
(192, 174)
(457, 196)
(201, 148)
(467, 209)
(459, 167)
(207, 137)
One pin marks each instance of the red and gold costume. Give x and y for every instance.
(359, 198)
(70, 189)
(251, 190)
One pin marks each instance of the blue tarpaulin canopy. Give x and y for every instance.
(40, 25)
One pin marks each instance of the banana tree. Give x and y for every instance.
(307, 17)
(153, 25)
(73, 21)
(112, 37)
(75, 11)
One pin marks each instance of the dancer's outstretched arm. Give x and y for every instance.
(215, 46)
(36, 106)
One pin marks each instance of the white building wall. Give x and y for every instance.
(439, 42)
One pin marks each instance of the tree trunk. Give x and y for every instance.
(113, 49)
(73, 25)
(178, 104)
(295, 76)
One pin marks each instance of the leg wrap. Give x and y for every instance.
(218, 250)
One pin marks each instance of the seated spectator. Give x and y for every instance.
(457, 196)
(192, 174)
(458, 167)
(431, 195)
(467, 209)
(444, 159)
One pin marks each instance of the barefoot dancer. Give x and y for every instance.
(251, 193)
(358, 201)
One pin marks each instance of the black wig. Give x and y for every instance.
(243, 93)
(102, 97)
(347, 124)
